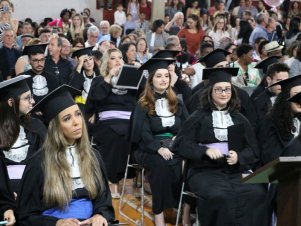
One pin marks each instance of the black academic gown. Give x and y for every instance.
(258, 90)
(263, 104)
(110, 136)
(35, 134)
(165, 175)
(7, 200)
(30, 202)
(271, 145)
(223, 198)
(48, 83)
(293, 148)
(246, 105)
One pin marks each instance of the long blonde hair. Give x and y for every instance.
(58, 183)
(104, 70)
(82, 27)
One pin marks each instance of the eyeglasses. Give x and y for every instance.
(221, 91)
(42, 60)
(28, 98)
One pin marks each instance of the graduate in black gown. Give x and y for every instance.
(16, 100)
(64, 183)
(278, 128)
(294, 147)
(85, 71)
(217, 59)
(263, 102)
(262, 66)
(156, 121)
(40, 82)
(111, 109)
(217, 160)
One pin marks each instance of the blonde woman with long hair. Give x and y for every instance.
(219, 30)
(64, 183)
(76, 27)
(112, 107)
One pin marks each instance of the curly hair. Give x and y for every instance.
(206, 101)
(281, 116)
(147, 99)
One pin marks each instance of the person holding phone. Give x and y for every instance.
(215, 171)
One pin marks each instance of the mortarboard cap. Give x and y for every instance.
(156, 63)
(214, 57)
(129, 77)
(34, 49)
(296, 98)
(166, 53)
(56, 101)
(264, 64)
(14, 87)
(215, 75)
(289, 83)
(84, 51)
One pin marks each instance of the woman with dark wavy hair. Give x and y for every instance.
(293, 31)
(156, 121)
(278, 129)
(220, 145)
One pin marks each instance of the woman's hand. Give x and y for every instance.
(96, 220)
(171, 68)
(81, 61)
(68, 222)
(92, 119)
(165, 153)
(10, 217)
(113, 73)
(214, 153)
(232, 158)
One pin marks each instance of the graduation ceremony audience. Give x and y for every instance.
(213, 86)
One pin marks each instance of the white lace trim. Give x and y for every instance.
(296, 125)
(87, 85)
(221, 120)
(273, 99)
(72, 159)
(19, 150)
(162, 110)
(39, 86)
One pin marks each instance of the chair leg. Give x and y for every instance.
(180, 205)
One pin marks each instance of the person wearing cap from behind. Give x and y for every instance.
(41, 82)
(25, 134)
(263, 102)
(218, 158)
(155, 122)
(278, 129)
(86, 70)
(262, 66)
(65, 182)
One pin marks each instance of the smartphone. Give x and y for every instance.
(3, 222)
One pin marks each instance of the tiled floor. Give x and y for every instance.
(132, 208)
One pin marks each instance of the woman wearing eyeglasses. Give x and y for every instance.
(24, 135)
(220, 146)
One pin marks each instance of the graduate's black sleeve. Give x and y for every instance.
(194, 102)
(293, 148)
(103, 203)
(52, 81)
(98, 93)
(29, 202)
(7, 200)
(186, 141)
(269, 140)
(76, 80)
(181, 87)
(248, 157)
